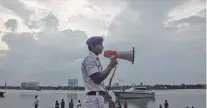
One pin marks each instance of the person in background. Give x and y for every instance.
(36, 102)
(160, 106)
(79, 104)
(118, 104)
(125, 104)
(71, 104)
(166, 104)
(56, 104)
(62, 103)
(112, 105)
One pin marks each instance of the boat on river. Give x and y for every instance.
(135, 93)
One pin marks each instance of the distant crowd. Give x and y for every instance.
(166, 105)
(57, 104)
(71, 104)
(62, 104)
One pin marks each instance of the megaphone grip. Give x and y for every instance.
(109, 53)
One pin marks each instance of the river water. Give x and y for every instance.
(176, 98)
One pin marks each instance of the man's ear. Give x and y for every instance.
(92, 46)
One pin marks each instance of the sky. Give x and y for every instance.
(44, 40)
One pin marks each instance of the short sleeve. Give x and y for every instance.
(91, 66)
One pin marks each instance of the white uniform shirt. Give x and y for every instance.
(89, 66)
(79, 105)
(36, 102)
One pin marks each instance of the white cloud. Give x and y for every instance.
(182, 16)
(6, 15)
(76, 14)
(188, 9)
(3, 46)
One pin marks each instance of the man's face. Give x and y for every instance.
(98, 48)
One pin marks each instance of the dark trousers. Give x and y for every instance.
(36, 106)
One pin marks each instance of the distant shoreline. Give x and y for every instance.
(82, 88)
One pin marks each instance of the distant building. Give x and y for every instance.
(25, 85)
(72, 82)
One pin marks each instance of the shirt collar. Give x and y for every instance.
(93, 55)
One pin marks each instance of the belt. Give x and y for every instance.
(102, 93)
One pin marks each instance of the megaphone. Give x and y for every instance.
(126, 55)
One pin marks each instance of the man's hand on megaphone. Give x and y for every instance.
(113, 61)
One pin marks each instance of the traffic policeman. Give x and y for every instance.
(93, 74)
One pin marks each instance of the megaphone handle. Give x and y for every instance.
(111, 78)
(107, 90)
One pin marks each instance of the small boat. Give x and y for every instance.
(135, 93)
(2, 94)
